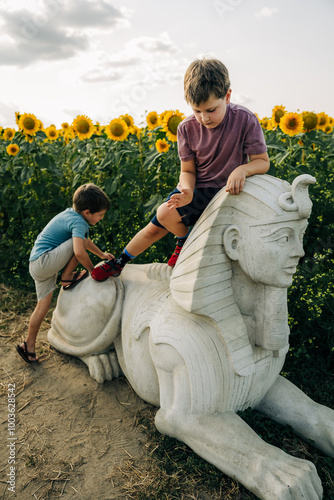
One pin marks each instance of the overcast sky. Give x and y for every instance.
(102, 58)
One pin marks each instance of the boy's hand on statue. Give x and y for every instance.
(180, 199)
(107, 255)
(236, 181)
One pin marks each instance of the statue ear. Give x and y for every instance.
(231, 241)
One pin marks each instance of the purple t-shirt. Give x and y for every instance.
(220, 150)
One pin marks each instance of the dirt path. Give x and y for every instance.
(72, 436)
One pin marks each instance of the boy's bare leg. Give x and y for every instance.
(145, 238)
(171, 220)
(68, 272)
(35, 322)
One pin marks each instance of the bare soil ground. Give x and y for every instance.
(72, 437)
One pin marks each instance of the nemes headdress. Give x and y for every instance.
(201, 281)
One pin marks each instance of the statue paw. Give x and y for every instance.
(103, 366)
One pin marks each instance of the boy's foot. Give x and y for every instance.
(76, 279)
(103, 272)
(29, 357)
(174, 257)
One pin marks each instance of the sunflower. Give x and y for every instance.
(117, 130)
(153, 120)
(277, 114)
(69, 134)
(97, 129)
(266, 123)
(162, 115)
(83, 127)
(12, 149)
(171, 121)
(323, 120)
(139, 132)
(17, 117)
(310, 120)
(29, 124)
(65, 126)
(8, 134)
(162, 145)
(328, 129)
(128, 120)
(291, 124)
(52, 133)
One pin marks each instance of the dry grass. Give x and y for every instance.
(16, 307)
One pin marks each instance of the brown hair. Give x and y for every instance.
(90, 197)
(203, 78)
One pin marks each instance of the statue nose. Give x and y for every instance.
(297, 249)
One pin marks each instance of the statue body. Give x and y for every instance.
(209, 338)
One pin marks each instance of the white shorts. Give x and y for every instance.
(44, 270)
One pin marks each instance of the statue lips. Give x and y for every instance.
(290, 269)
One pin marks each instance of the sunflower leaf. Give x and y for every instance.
(41, 135)
(276, 146)
(150, 160)
(281, 157)
(42, 160)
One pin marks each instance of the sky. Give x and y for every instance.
(103, 58)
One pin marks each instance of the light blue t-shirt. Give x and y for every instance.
(62, 227)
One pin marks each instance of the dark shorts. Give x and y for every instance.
(192, 212)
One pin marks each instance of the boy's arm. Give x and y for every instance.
(258, 164)
(80, 248)
(186, 185)
(96, 251)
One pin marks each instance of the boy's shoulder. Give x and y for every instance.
(241, 110)
(68, 216)
(189, 119)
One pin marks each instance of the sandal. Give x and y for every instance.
(74, 282)
(25, 354)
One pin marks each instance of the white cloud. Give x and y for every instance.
(141, 59)
(266, 12)
(55, 29)
(7, 113)
(242, 99)
(100, 76)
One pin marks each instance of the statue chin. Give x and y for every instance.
(209, 338)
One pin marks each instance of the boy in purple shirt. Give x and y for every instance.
(219, 145)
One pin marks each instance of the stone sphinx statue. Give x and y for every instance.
(209, 338)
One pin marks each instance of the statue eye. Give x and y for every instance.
(282, 240)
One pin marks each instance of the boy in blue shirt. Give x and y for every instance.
(63, 244)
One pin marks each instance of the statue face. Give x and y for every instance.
(274, 252)
(267, 253)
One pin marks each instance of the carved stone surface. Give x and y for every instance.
(209, 338)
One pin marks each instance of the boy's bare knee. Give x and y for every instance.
(163, 214)
(153, 231)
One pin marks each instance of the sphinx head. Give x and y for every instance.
(266, 236)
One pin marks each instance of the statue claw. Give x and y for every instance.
(103, 366)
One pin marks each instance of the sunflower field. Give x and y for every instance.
(137, 167)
